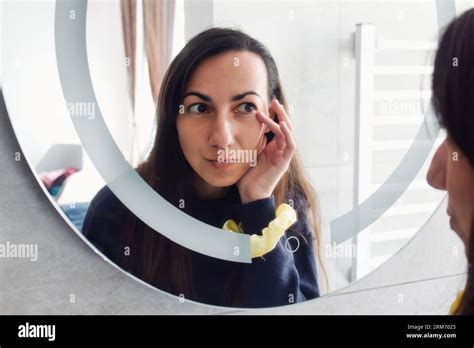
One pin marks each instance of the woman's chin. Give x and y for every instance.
(221, 182)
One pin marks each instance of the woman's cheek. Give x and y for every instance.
(191, 128)
(250, 133)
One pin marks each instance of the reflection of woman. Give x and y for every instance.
(452, 168)
(214, 100)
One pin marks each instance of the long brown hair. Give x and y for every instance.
(453, 101)
(162, 262)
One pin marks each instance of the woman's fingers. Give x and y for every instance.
(281, 113)
(275, 128)
(261, 143)
(290, 141)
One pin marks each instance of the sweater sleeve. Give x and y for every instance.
(285, 275)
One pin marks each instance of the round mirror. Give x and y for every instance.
(232, 153)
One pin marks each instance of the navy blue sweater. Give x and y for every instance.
(278, 278)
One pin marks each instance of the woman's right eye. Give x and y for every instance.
(198, 108)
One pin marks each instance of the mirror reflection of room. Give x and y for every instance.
(220, 99)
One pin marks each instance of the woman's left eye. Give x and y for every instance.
(246, 107)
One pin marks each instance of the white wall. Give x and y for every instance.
(31, 83)
(31, 71)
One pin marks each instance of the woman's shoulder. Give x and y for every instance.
(105, 206)
(105, 201)
(104, 221)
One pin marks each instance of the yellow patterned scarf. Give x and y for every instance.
(261, 245)
(456, 303)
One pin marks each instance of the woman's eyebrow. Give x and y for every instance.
(209, 99)
(199, 95)
(242, 95)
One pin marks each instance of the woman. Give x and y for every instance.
(452, 168)
(221, 97)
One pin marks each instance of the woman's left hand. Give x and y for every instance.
(273, 159)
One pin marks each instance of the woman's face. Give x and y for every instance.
(217, 121)
(450, 170)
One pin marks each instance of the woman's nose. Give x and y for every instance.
(436, 176)
(221, 133)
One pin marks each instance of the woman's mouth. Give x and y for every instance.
(220, 164)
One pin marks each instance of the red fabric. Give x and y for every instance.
(56, 177)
